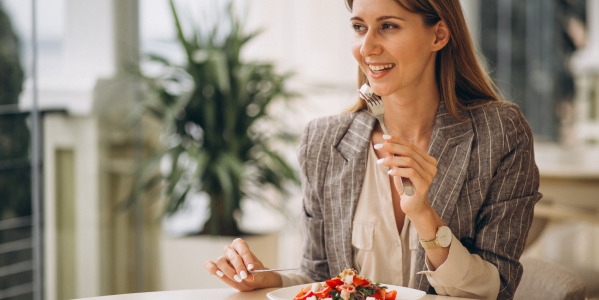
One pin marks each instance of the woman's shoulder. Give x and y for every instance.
(323, 132)
(501, 121)
(495, 112)
(327, 125)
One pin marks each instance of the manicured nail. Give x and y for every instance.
(243, 275)
(220, 274)
(378, 146)
(390, 171)
(380, 161)
(250, 267)
(386, 137)
(236, 277)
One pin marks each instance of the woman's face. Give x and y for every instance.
(393, 47)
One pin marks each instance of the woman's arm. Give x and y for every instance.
(506, 215)
(510, 189)
(503, 220)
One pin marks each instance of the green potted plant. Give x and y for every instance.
(15, 181)
(212, 107)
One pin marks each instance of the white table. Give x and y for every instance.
(213, 294)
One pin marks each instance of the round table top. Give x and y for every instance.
(213, 294)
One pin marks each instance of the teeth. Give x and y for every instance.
(380, 67)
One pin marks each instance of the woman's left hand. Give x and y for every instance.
(408, 161)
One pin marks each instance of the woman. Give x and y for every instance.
(468, 154)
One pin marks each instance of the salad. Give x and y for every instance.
(347, 286)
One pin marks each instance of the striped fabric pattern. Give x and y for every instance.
(485, 188)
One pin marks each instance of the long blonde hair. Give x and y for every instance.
(459, 72)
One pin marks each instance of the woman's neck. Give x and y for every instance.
(410, 116)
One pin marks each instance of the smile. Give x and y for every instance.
(380, 68)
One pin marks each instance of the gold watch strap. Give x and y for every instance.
(430, 244)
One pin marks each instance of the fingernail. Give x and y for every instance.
(378, 146)
(380, 161)
(250, 267)
(236, 277)
(390, 171)
(243, 275)
(220, 274)
(386, 137)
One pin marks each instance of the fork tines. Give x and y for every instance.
(372, 99)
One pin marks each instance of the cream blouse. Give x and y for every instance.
(376, 241)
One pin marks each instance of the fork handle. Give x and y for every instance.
(406, 184)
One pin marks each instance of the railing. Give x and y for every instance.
(16, 265)
(18, 243)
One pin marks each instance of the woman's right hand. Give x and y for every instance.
(232, 268)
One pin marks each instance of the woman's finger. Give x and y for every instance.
(399, 141)
(402, 162)
(223, 267)
(248, 257)
(425, 161)
(410, 160)
(420, 183)
(213, 269)
(426, 171)
(228, 270)
(236, 262)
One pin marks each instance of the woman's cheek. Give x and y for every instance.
(355, 49)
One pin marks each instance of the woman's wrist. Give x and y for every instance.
(426, 223)
(269, 279)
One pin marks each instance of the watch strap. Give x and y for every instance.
(430, 244)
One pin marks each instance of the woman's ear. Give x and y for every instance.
(442, 35)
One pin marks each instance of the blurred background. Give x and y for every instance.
(134, 145)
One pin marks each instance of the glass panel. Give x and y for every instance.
(528, 44)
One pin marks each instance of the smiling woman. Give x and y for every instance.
(476, 182)
(461, 77)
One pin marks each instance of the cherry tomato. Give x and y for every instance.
(323, 292)
(390, 295)
(360, 282)
(304, 296)
(333, 283)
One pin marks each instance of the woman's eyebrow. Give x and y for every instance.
(381, 18)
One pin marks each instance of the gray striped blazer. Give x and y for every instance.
(485, 188)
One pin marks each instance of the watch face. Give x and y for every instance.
(444, 236)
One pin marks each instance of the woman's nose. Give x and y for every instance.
(370, 45)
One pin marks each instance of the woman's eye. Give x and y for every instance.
(358, 27)
(387, 26)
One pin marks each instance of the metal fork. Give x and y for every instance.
(272, 270)
(378, 111)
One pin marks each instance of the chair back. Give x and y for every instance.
(548, 281)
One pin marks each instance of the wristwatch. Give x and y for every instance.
(443, 239)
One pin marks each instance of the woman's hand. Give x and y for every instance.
(232, 268)
(413, 163)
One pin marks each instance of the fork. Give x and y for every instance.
(378, 111)
(272, 270)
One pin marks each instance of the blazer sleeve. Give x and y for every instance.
(313, 262)
(507, 212)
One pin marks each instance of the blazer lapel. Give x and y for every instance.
(346, 170)
(450, 144)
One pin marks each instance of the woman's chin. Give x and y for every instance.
(379, 90)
